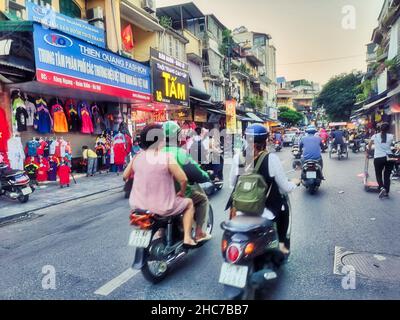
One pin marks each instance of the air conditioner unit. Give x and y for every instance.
(149, 5)
(95, 14)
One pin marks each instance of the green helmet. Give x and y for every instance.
(171, 129)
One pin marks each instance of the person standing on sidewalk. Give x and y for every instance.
(91, 158)
(383, 167)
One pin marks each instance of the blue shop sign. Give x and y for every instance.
(69, 62)
(74, 27)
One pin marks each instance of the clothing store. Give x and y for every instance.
(79, 94)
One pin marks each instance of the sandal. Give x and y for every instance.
(206, 237)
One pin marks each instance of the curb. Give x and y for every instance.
(11, 218)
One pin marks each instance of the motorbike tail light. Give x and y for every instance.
(224, 245)
(233, 254)
(249, 249)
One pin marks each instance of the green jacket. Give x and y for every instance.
(183, 158)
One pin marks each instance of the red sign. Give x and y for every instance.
(81, 84)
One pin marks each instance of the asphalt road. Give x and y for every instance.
(86, 242)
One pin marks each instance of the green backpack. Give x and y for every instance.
(251, 191)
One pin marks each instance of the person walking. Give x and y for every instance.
(91, 158)
(383, 167)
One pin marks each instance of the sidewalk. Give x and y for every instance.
(50, 194)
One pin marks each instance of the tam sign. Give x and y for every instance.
(170, 79)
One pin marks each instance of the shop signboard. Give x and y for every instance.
(200, 115)
(181, 115)
(170, 79)
(230, 106)
(147, 117)
(72, 63)
(75, 27)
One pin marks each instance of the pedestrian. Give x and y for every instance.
(91, 157)
(383, 168)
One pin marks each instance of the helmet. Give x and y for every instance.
(171, 129)
(311, 129)
(258, 131)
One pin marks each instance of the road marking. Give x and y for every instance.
(116, 282)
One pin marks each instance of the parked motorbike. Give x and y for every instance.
(159, 243)
(311, 176)
(15, 184)
(252, 259)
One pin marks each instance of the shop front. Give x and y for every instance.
(79, 94)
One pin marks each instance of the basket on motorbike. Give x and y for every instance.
(142, 219)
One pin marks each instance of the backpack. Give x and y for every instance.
(251, 191)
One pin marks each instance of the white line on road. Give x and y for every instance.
(116, 282)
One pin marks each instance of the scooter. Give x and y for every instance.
(252, 259)
(15, 184)
(324, 146)
(311, 176)
(159, 243)
(297, 156)
(278, 146)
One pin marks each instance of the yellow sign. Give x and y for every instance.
(231, 127)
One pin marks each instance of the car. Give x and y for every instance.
(288, 138)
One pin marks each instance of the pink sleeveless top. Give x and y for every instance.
(153, 185)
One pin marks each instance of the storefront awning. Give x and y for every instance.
(216, 111)
(372, 104)
(254, 117)
(200, 102)
(138, 17)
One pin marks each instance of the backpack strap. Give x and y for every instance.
(260, 161)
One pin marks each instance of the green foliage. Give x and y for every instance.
(166, 22)
(339, 96)
(255, 101)
(289, 116)
(227, 41)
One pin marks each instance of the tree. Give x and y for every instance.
(290, 117)
(339, 96)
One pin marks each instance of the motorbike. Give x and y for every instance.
(278, 146)
(396, 159)
(311, 176)
(159, 243)
(355, 145)
(338, 150)
(297, 156)
(15, 184)
(252, 259)
(325, 146)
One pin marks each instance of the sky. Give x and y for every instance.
(304, 31)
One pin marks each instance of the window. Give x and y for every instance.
(70, 8)
(171, 45)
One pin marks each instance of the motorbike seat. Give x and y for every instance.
(246, 224)
(11, 173)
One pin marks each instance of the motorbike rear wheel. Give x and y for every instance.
(23, 199)
(155, 269)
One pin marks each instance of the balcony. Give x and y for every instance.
(194, 48)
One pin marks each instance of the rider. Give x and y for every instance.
(278, 137)
(311, 146)
(338, 138)
(272, 171)
(193, 172)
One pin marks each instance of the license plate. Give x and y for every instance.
(233, 275)
(311, 175)
(140, 238)
(26, 191)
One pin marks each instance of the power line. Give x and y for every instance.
(322, 60)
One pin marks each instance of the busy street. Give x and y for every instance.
(88, 247)
(177, 151)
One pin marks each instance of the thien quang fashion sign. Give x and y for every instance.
(69, 62)
(75, 27)
(170, 79)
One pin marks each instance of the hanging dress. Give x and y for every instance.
(4, 131)
(59, 119)
(87, 124)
